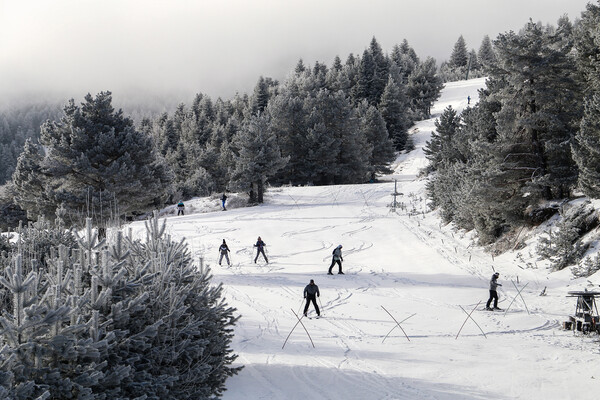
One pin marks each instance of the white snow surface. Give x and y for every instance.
(405, 261)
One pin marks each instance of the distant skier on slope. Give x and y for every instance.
(224, 249)
(309, 294)
(180, 208)
(493, 294)
(337, 258)
(223, 200)
(260, 248)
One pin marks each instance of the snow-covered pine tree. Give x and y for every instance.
(258, 156)
(136, 320)
(440, 147)
(587, 141)
(373, 127)
(424, 87)
(395, 110)
(460, 55)
(93, 158)
(586, 148)
(486, 54)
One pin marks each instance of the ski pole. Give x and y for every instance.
(300, 308)
(320, 304)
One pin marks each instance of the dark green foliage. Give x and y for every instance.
(123, 319)
(586, 144)
(511, 152)
(441, 147)
(10, 213)
(374, 128)
(395, 110)
(424, 87)
(460, 55)
(17, 124)
(587, 43)
(564, 247)
(586, 148)
(94, 159)
(258, 156)
(486, 55)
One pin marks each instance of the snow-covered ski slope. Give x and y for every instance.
(406, 263)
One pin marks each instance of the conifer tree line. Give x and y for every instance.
(533, 138)
(466, 64)
(84, 318)
(321, 125)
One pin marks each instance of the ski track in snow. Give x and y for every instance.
(405, 261)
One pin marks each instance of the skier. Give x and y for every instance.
(337, 258)
(180, 207)
(223, 199)
(223, 249)
(309, 294)
(468, 99)
(493, 294)
(260, 248)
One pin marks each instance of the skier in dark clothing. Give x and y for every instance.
(493, 294)
(310, 291)
(337, 258)
(180, 208)
(260, 248)
(223, 200)
(224, 249)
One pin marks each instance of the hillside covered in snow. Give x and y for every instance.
(405, 261)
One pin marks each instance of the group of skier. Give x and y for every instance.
(311, 291)
(260, 249)
(181, 206)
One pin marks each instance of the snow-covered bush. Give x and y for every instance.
(564, 246)
(126, 319)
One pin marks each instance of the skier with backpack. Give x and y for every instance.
(180, 208)
(224, 249)
(310, 291)
(260, 248)
(493, 294)
(337, 258)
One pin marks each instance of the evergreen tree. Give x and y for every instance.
(95, 159)
(424, 87)
(380, 73)
(440, 147)
(364, 84)
(586, 148)
(394, 109)
(138, 320)
(373, 127)
(258, 157)
(486, 55)
(460, 55)
(300, 68)
(587, 43)
(260, 98)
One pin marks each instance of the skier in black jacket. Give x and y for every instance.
(309, 294)
(224, 249)
(260, 248)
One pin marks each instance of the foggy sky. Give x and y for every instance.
(182, 47)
